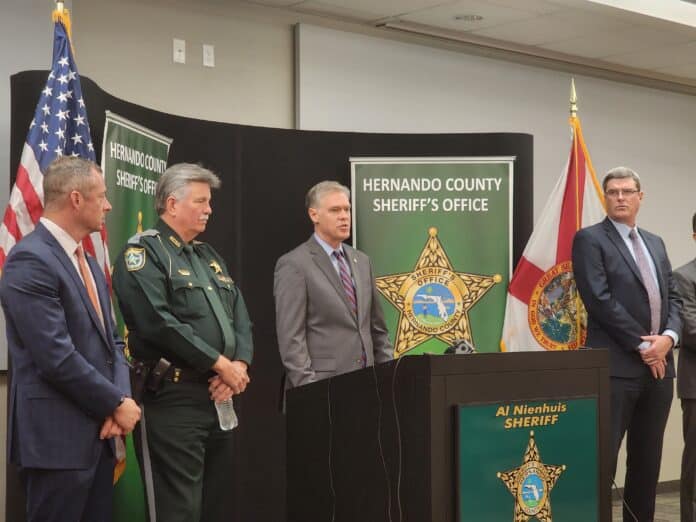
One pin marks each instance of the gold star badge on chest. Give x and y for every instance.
(217, 269)
(531, 484)
(433, 300)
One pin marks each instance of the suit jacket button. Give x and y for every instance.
(109, 362)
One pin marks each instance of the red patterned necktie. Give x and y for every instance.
(648, 281)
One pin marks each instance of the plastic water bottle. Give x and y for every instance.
(226, 415)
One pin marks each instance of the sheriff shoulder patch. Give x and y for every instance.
(135, 258)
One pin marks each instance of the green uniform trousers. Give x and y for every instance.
(185, 459)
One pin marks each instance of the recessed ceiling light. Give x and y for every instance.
(469, 18)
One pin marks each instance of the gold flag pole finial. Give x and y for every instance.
(62, 15)
(573, 99)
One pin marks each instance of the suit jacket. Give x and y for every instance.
(68, 371)
(318, 334)
(611, 288)
(685, 277)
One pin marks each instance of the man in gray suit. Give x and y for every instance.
(685, 277)
(328, 316)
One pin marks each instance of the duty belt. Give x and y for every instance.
(177, 374)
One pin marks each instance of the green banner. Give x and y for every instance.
(528, 461)
(133, 159)
(439, 233)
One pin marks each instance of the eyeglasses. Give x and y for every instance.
(615, 193)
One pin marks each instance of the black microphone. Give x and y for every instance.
(461, 346)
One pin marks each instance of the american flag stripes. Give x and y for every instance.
(59, 127)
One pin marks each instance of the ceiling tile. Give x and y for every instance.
(532, 6)
(555, 27)
(443, 16)
(595, 45)
(335, 11)
(671, 27)
(616, 42)
(380, 8)
(274, 3)
(685, 71)
(659, 57)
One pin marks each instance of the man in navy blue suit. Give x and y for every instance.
(69, 394)
(625, 280)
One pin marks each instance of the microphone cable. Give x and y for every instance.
(331, 483)
(398, 438)
(379, 443)
(623, 501)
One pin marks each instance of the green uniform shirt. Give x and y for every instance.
(175, 299)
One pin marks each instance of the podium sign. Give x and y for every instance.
(525, 460)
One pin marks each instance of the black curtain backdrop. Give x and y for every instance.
(258, 214)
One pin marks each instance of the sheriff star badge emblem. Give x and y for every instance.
(433, 300)
(531, 484)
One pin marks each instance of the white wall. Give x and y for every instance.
(126, 47)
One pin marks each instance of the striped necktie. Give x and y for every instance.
(346, 279)
(349, 287)
(649, 282)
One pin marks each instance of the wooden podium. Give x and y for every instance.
(380, 444)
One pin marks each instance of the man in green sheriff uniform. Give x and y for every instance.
(182, 308)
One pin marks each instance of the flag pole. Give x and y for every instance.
(573, 121)
(575, 137)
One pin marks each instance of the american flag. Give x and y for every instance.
(59, 127)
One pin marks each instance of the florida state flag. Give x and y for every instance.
(544, 310)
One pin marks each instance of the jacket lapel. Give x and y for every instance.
(619, 243)
(77, 280)
(327, 267)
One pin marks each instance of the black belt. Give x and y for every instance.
(176, 374)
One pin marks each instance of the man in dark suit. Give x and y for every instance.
(625, 280)
(69, 394)
(685, 276)
(328, 316)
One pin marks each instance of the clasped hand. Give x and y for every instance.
(655, 355)
(232, 374)
(122, 421)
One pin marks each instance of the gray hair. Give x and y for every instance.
(321, 189)
(621, 173)
(65, 174)
(176, 179)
